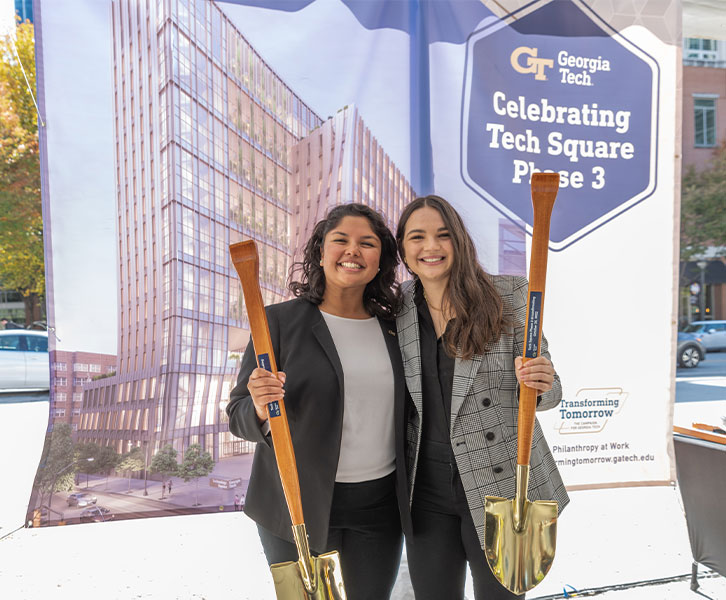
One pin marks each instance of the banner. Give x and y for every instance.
(177, 127)
(588, 92)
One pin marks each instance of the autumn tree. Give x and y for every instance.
(703, 203)
(21, 223)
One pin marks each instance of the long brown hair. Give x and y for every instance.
(381, 297)
(470, 293)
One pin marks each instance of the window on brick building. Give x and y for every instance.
(701, 49)
(704, 112)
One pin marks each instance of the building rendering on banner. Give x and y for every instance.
(340, 162)
(70, 372)
(209, 151)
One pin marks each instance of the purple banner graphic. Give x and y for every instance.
(547, 93)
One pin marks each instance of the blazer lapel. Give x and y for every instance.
(465, 371)
(410, 346)
(322, 334)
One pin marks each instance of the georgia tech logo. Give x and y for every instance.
(532, 63)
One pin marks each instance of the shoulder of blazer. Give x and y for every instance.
(407, 297)
(293, 311)
(508, 284)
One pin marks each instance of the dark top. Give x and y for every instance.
(314, 394)
(437, 376)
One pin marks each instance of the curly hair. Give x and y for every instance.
(480, 319)
(381, 297)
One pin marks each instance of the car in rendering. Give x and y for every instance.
(24, 360)
(712, 334)
(81, 499)
(690, 350)
(96, 514)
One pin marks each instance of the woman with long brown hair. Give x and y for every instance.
(461, 332)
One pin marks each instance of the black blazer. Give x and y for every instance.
(304, 349)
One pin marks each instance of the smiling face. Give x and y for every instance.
(351, 254)
(427, 246)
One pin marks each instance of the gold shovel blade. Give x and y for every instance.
(520, 557)
(328, 584)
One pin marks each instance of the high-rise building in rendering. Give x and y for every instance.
(339, 162)
(202, 128)
(209, 147)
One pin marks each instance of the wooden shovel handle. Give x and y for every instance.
(710, 437)
(244, 258)
(544, 192)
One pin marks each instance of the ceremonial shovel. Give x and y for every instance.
(311, 577)
(519, 535)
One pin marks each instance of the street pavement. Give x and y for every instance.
(704, 383)
(134, 497)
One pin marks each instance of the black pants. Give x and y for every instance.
(365, 527)
(444, 538)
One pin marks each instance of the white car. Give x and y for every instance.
(24, 360)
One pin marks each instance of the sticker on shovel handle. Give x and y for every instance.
(263, 360)
(534, 324)
(273, 409)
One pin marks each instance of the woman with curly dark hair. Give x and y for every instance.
(341, 378)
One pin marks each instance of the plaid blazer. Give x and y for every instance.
(489, 376)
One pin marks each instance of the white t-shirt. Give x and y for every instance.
(367, 447)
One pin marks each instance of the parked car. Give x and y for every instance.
(690, 350)
(81, 499)
(712, 334)
(96, 514)
(24, 360)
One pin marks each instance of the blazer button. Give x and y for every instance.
(486, 402)
(490, 435)
(498, 469)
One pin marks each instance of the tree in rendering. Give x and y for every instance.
(108, 459)
(164, 463)
(58, 463)
(132, 462)
(197, 463)
(84, 452)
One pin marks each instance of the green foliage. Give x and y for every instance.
(57, 470)
(132, 461)
(83, 453)
(65, 482)
(104, 376)
(21, 223)
(107, 459)
(164, 461)
(197, 463)
(59, 460)
(703, 203)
